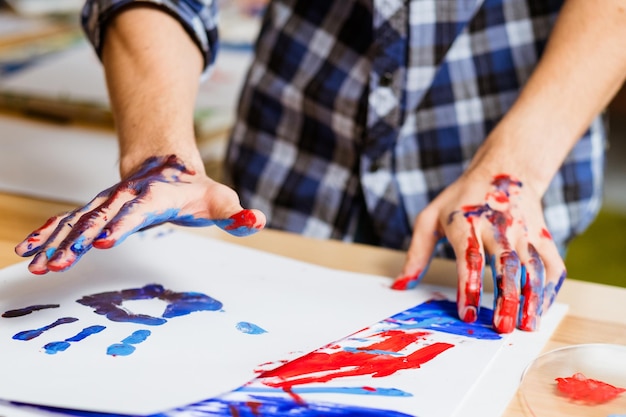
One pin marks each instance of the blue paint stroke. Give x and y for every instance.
(31, 334)
(372, 351)
(249, 328)
(261, 406)
(256, 406)
(442, 316)
(386, 392)
(109, 304)
(27, 310)
(55, 347)
(126, 347)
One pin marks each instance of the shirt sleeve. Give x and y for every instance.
(198, 17)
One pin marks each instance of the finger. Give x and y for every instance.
(420, 252)
(532, 288)
(243, 223)
(555, 272)
(470, 270)
(39, 237)
(506, 270)
(87, 228)
(39, 264)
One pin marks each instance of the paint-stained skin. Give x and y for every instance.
(116, 213)
(520, 289)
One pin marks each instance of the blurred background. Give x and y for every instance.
(33, 32)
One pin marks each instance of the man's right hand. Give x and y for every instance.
(161, 190)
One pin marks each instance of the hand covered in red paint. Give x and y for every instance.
(161, 190)
(500, 218)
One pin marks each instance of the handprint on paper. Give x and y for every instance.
(114, 306)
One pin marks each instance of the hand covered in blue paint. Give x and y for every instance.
(500, 219)
(161, 190)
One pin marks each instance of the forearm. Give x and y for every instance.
(582, 68)
(152, 69)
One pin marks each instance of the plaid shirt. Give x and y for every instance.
(379, 105)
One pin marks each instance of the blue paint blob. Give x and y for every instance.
(27, 310)
(120, 349)
(442, 316)
(78, 248)
(31, 334)
(249, 328)
(50, 252)
(126, 347)
(55, 347)
(109, 304)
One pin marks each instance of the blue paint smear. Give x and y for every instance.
(257, 406)
(109, 304)
(250, 328)
(55, 347)
(260, 406)
(27, 310)
(372, 351)
(126, 347)
(441, 315)
(88, 331)
(31, 334)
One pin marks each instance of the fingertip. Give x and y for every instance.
(38, 265)
(61, 261)
(243, 223)
(407, 282)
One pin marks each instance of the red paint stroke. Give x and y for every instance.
(320, 367)
(255, 407)
(589, 391)
(545, 233)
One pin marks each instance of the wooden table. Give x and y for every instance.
(597, 313)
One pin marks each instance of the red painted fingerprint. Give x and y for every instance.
(589, 391)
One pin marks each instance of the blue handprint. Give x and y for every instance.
(110, 305)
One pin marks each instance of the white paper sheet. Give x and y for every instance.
(192, 357)
(205, 354)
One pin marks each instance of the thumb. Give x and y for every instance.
(426, 235)
(245, 222)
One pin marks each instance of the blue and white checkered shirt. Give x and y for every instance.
(375, 106)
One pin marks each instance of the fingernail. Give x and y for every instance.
(469, 314)
(504, 324)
